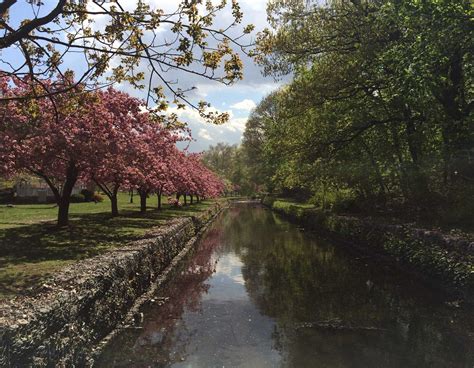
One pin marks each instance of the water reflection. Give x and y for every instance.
(260, 293)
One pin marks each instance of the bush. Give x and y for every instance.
(345, 204)
(293, 209)
(268, 200)
(336, 200)
(6, 195)
(458, 209)
(174, 202)
(78, 198)
(88, 195)
(96, 197)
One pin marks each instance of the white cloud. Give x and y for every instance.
(245, 105)
(236, 124)
(237, 100)
(203, 133)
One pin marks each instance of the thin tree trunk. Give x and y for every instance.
(191, 196)
(143, 195)
(159, 199)
(112, 194)
(378, 174)
(131, 196)
(114, 202)
(63, 212)
(402, 175)
(185, 199)
(62, 199)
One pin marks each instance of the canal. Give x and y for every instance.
(259, 292)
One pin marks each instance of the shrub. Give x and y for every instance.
(88, 195)
(6, 195)
(337, 200)
(268, 200)
(78, 198)
(96, 197)
(174, 202)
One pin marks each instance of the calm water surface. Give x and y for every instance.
(259, 292)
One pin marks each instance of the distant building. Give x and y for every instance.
(38, 191)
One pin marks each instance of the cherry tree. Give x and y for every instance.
(106, 136)
(156, 144)
(53, 138)
(198, 180)
(114, 167)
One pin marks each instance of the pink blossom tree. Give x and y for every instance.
(104, 136)
(156, 145)
(115, 167)
(52, 138)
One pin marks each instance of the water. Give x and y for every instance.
(259, 292)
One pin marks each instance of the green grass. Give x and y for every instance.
(32, 248)
(291, 202)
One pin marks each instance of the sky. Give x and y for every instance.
(238, 99)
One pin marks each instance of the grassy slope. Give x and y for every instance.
(31, 248)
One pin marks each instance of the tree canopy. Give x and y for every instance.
(379, 112)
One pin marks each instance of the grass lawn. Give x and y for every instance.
(31, 248)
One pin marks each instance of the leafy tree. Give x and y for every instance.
(253, 144)
(229, 162)
(380, 107)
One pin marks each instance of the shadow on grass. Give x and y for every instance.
(30, 253)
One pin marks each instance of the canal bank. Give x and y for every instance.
(439, 259)
(85, 302)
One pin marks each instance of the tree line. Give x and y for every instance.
(106, 137)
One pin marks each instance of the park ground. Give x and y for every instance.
(32, 248)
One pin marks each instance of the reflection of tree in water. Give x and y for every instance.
(326, 309)
(163, 338)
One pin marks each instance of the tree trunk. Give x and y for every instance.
(197, 199)
(457, 138)
(111, 194)
(114, 202)
(65, 198)
(159, 200)
(63, 213)
(418, 181)
(402, 175)
(131, 196)
(191, 196)
(143, 195)
(185, 199)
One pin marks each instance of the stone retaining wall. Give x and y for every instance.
(441, 259)
(81, 305)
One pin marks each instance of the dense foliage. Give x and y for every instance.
(228, 162)
(379, 113)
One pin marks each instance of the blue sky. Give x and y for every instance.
(237, 100)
